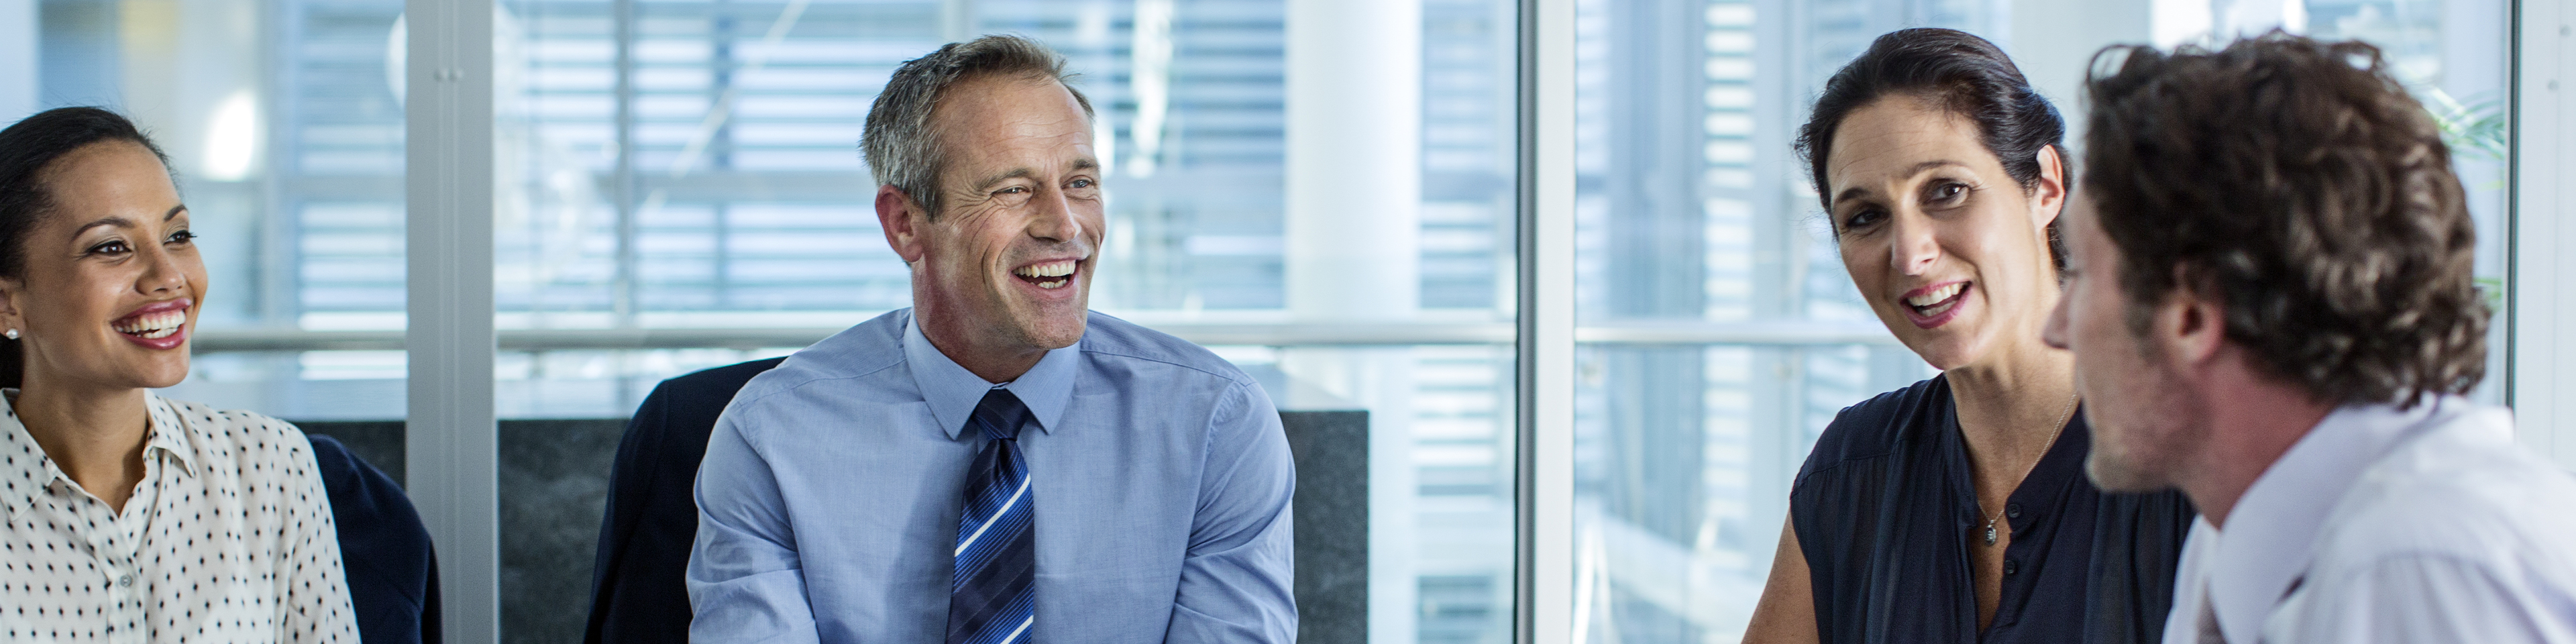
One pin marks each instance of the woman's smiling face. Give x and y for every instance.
(1949, 251)
(111, 283)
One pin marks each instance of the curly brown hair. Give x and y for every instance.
(2297, 182)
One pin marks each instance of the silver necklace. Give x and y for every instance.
(2064, 415)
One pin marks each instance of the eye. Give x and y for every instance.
(110, 247)
(1948, 192)
(1013, 190)
(1862, 219)
(181, 237)
(1085, 182)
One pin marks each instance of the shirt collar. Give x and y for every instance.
(169, 435)
(26, 471)
(953, 391)
(2272, 530)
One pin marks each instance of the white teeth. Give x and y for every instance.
(156, 325)
(1049, 269)
(1937, 295)
(1053, 285)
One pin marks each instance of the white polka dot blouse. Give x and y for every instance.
(228, 538)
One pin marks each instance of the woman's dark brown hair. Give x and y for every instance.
(27, 150)
(1958, 72)
(2297, 183)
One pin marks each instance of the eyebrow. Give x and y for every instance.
(121, 221)
(989, 182)
(1085, 163)
(1919, 168)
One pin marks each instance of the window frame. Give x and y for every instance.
(2541, 366)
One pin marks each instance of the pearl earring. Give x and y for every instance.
(13, 334)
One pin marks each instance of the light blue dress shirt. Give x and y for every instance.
(830, 495)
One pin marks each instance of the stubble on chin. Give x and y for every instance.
(2145, 456)
(2115, 470)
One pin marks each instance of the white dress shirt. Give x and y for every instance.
(2422, 525)
(228, 538)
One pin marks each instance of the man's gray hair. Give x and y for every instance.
(901, 146)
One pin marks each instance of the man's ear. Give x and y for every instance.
(2048, 194)
(902, 220)
(2191, 321)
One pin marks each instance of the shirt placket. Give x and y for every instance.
(118, 550)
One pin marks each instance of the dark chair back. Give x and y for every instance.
(391, 567)
(639, 594)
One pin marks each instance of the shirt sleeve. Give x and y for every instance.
(1236, 578)
(312, 582)
(746, 582)
(2430, 599)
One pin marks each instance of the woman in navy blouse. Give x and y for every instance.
(1957, 509)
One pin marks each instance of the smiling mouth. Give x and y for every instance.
(152, 326)
(1048, 275)
(1937, 301)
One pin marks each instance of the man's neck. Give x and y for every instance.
(986, 362)
(2253, 420)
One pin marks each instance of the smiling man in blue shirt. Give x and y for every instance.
(995, 464)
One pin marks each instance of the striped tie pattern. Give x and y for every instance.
(992, 595)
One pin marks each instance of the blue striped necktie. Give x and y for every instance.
(992, 595)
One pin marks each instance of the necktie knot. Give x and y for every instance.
(1001, 415)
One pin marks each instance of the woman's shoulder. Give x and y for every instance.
(1875, 427)
(239, 435)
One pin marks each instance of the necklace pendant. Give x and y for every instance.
(1990, 533)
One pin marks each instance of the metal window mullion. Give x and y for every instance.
(1544, 576)
(451, 445)
(2541, 360)
(622, 19)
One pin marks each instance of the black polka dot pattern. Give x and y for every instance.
(228, 538)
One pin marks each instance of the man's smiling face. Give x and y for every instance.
(1005, 268)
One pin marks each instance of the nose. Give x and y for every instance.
(1913, 247)
(164, 274)
(1052, 218)
(2054, 332)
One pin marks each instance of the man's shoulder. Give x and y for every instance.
(859, 352)
(1105, 338)
(2463, 492)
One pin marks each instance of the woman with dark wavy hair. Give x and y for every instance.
(1957, 509)
(125, 516)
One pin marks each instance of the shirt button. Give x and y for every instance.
(2012, 510)
(124, 580)
(2012, 567)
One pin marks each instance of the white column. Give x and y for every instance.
(2538, 290)
(1545, 588)
(18, 79)
(1354, 159)
(1354, 194)
(453, 452)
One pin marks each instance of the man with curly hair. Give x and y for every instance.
(2270, 303)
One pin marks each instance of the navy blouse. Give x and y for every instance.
(1885, 508)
